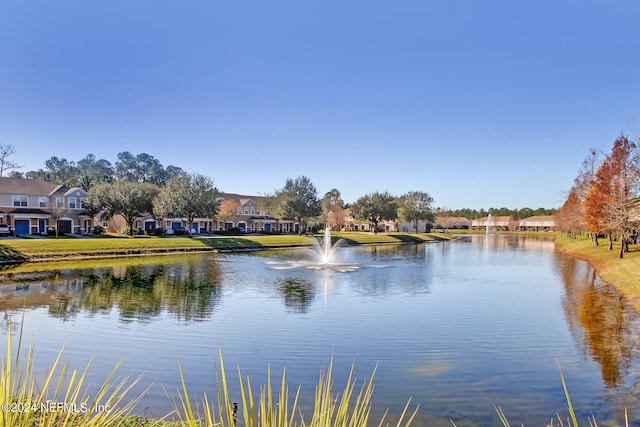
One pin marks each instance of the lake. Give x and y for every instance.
(456, 326)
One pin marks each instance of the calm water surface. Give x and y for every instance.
(458, 326)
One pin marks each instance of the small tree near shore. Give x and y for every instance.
(127, 199)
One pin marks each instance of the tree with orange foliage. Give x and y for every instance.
(610, 200)
(594, 210)
(569, 216)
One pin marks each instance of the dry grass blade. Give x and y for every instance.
(568, 397)
(62, 399)
(275, 408)
(502, 416)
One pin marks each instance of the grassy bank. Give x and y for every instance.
(19, 250)
(622, 274)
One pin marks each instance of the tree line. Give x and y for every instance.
(604, 199)
(299, 200)
(90, 171)
(517, 214)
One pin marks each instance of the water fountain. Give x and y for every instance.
(323, 257)
(489, 225)
(324, 251)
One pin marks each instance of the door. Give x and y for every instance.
(149, 227)
(21, 226)
(42, 226)
(64, 226)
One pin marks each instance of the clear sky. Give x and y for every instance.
(480, 103)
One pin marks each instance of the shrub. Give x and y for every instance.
(126, 230)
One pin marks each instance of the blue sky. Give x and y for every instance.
(481, 104)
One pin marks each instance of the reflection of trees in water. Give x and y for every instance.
(298, 294)
(188, 290)
(599, 320)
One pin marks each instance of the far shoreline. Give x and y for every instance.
(18, 251)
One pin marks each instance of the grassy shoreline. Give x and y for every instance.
(622, 274)
(36, 250)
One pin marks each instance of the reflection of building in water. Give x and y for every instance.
(503, 242)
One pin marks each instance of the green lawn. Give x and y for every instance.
(33, 249)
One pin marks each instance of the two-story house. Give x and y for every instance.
(248, 214)
(32, 206)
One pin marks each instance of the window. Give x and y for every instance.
(59, 202)
(105, 224)
(43, 202)
(80, 203)
(72, 202)
(20, 201)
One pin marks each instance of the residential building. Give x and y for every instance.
(409, 227)
(538, 223)
(495, 223)
(456, 222)
(32, 206)
(249, 214)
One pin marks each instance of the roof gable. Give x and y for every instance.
(76, 192)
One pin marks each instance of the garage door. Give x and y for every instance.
(22, 226)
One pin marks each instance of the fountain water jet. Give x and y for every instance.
(324, 257)
(324, 251)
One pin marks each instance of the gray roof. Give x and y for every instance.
(34, 187)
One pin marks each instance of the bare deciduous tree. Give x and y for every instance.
(6, 164)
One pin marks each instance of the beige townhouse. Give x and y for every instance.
(32, 206)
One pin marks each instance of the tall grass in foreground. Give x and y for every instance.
(571, 421)
(60, 397)
(273, 407)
